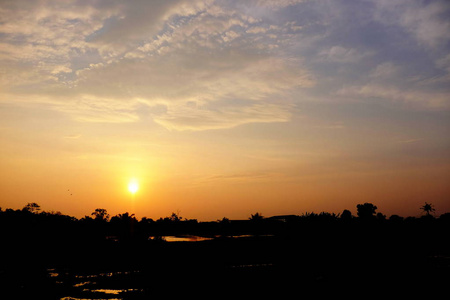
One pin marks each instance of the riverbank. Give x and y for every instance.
(258, 264)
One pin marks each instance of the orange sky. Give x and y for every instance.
(223, 109)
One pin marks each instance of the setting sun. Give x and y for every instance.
(268, 107)
(133, 186)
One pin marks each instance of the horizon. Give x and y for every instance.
(222, 109)
(35, 208)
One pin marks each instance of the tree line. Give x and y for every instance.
(364, 211)
(32, 222)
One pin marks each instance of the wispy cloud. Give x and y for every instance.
(342, 54)
(73, 136)
(415, 98)
(409, 141)
(192, 118)
(242, 177)
(426, 21)
(237, 63)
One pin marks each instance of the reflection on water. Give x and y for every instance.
(108, 274)
(82, 286)
(73, 298)
(52, 273)
(196, 238)
(83, 283)
(111, 291)
(105, 291)
(186, 238)
(125, 284)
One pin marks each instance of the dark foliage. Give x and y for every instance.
(314, 250)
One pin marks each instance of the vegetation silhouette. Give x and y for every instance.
(428, 208)
(366, 210)
(49, 254)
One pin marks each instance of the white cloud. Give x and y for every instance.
(385, 71)
(342, 54)
(224, 83)
(257, 29)
(87, 108)
(239, 62)
(409, 97)
(95, 60)
(395, 84)
(278, 3)
(193, 118)
(427, 21)
(444, 63)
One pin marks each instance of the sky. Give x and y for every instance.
(225, 108)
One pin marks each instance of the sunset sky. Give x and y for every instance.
(225, 108)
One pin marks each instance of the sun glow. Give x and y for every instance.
(133, 186)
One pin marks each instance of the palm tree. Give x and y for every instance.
(256, 217)
(428, 208)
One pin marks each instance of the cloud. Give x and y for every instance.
(73, 136)
(427, 21)
(410, 97)
(231, 88)
(385, 71)
(277, 3)
(342, 54)
(443, 63)
(189, 118)
(219, 64)
(219, 81)
(138, 20)
(95, 60)
(202, 61)
(93, 109)
(244, 177)
(395, 83)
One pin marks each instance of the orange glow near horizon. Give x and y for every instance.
(260, 110)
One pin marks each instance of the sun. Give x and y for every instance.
(133, 186)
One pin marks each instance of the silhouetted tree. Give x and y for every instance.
(381, 217)
(328, 216)
(86, 219)
(366, 210)
(32, 207)
(428, 208)
(346, 215)
(146, 220)
(445, 217)
(125, 217)
(395, 218)
(124, 225)
(224, 221)
(256, 217)
(175, 217)
(100, 214)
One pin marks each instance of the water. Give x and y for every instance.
(185, 238)
(196, 238)
(115, 281)
(95, 285)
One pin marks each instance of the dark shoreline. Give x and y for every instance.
(45, 255)
(255, 263)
